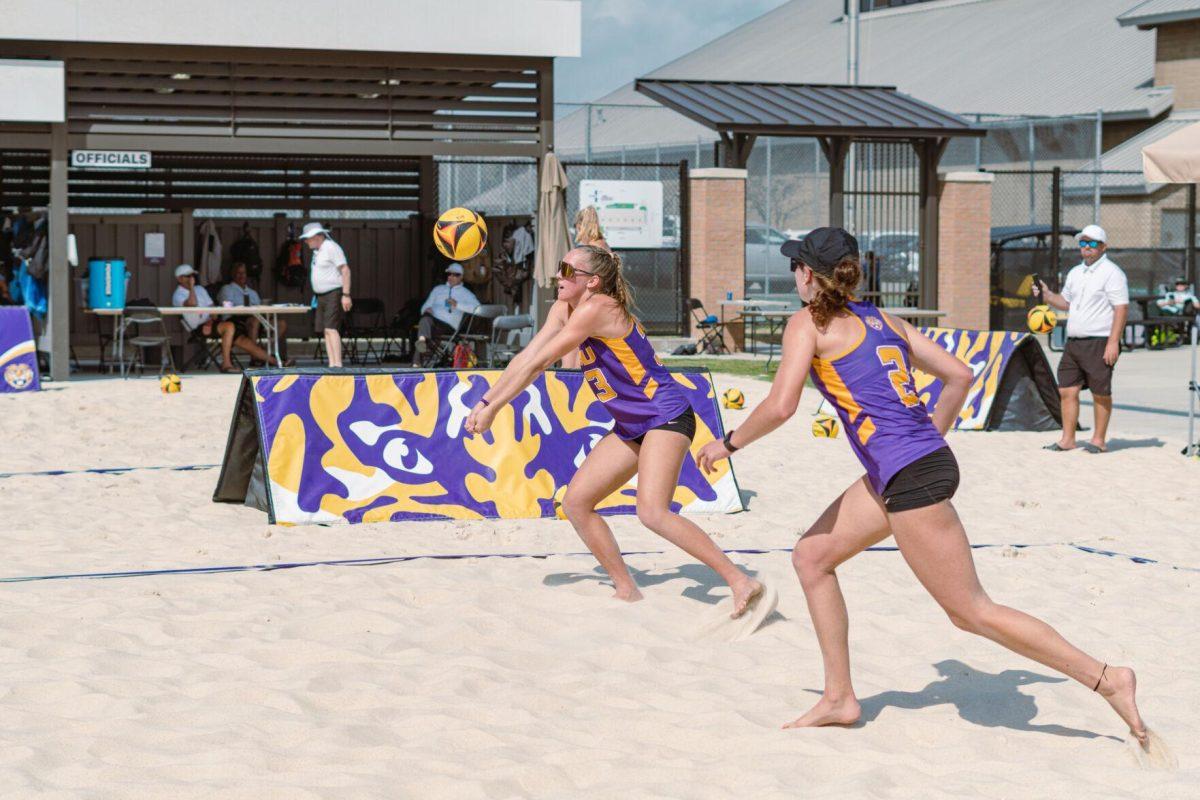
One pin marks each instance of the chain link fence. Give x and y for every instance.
(1146, 225)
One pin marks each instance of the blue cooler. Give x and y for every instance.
(106, 283)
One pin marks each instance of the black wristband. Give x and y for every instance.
(485, 402)
(728, 440)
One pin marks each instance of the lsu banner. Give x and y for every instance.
(369, 446)
(18, 353)
(1013, 388)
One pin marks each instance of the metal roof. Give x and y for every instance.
(1004, 57)
(789, 109)
(1160, 12)
(1123, 164)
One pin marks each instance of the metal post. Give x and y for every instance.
(1055, 222)
(1032, 176)
(685, 246)
(978, 146)
(852, 43)
(769, 221)
(58, 323)
(1099, 153)
(1189, 252)
(1193, 447)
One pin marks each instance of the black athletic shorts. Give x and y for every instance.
(928, 480)
(1083, 365)
(685, 423)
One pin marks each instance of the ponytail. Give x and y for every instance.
(834, 290)
(606, 265)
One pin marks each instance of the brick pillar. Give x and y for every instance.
(964, 249)
(717, 241)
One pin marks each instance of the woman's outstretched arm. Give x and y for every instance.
(799, 346)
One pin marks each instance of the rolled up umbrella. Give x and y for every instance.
(553, 237)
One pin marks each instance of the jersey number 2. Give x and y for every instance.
(891, 356)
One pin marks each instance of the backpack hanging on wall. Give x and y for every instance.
(289, 264)
(245, 250)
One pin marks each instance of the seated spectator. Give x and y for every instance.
(202, 323)
(238, 292)
(1181, 301)
(443, 310)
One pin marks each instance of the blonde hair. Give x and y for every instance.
(606, 265)
(835, 290)
(587, 226)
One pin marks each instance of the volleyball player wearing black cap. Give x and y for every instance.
(861, 360)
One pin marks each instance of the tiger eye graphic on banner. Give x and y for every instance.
(389, 446)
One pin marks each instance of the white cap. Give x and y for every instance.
(455, 268)
(184, 269)
(311, 230)
(1092, 232)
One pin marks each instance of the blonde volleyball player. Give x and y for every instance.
(860, 359)
(653, 420)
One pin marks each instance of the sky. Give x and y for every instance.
(624, 39)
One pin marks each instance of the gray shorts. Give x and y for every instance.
(1083, 365)
(329, 312)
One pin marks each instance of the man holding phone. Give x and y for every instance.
(1096, 293)
(443, 310)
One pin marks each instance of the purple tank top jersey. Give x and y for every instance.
(628, 378)
(871, 387)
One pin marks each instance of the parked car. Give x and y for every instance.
(765, 265)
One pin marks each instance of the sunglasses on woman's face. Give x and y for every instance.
(796, 264)
(566, 270)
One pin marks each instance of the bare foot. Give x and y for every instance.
(744, 595)
(1119, 688)
(829, 712)
(629, 594)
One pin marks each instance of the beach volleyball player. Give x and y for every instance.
(860, 359)
(654, 423)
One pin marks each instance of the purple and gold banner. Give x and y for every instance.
(988, 354)
(390, 446)
(18, 353)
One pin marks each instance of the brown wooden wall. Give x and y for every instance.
(380, 253)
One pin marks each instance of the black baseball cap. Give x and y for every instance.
(822, 248)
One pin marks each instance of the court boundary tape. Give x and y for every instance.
(384, 560)
(108, 470)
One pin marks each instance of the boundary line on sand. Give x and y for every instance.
(383, 560)
(107, 470)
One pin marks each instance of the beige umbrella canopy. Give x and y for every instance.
(1174, 158)
(553, 238)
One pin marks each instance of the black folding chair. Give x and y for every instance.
(712, 330)
(473, 329)
(366, 324)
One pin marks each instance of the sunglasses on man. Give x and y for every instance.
(566, 270)
(1093, 243)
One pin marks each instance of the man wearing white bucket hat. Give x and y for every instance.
(1096, 293)
(330, 278)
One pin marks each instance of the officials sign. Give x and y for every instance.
(110, 159)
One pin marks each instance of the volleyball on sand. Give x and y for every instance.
(733, 398)
(460, 234)
(170, 384)
(1041, 319)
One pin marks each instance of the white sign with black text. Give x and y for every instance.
(110, 159)
(631, 212)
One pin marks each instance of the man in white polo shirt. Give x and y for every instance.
(1096, 295)
(330, 278)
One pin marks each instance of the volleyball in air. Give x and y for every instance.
(170, 384)
(825, 427)
(1041, 319)
(733, 398)
(460, 234)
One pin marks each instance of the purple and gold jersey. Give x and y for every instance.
(633, 384)
(871, 387)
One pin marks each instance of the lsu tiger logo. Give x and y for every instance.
(875, 322)
(18, 376)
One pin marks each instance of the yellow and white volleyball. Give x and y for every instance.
(825, 427)
(733, 398)
(1041, 319)
(559, 494)
(170, 384)
(460, 234)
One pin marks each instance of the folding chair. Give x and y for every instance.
(712, 330)
(506, 327)
(145, 319)
(472, 329)
(366, 322)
